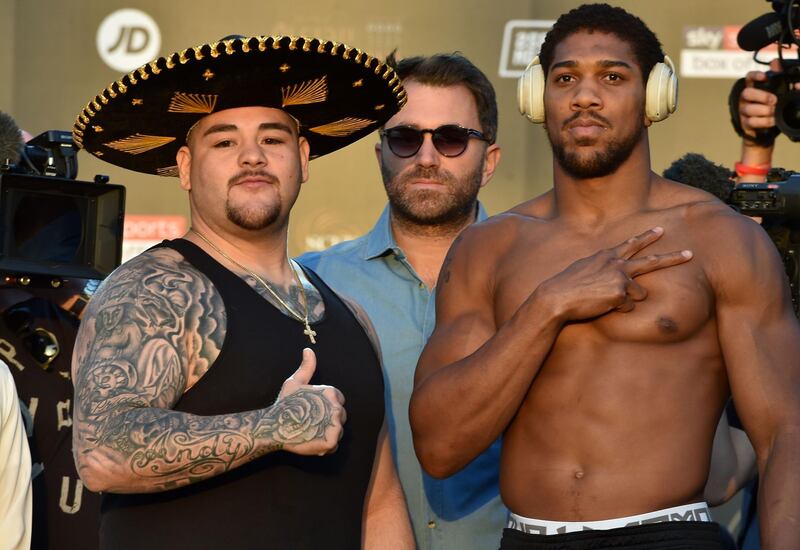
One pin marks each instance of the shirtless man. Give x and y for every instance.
(607, 365)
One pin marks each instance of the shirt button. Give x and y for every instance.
(432, 525)
(421, 286)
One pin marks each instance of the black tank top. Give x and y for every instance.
(281, 500)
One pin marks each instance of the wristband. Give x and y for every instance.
(750, 170)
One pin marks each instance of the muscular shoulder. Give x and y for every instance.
(670, 193)
(713, 222)
(480, 248)
(707, 218)
(495, 235)
(155, 303)
(736, 252)
(157, 274)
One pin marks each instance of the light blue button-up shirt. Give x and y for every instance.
(463, 511)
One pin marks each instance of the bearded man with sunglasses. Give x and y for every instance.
(434, 156)
(602, 326)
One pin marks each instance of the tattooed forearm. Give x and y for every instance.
(173, 449)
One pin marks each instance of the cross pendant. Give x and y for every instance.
(310, 332)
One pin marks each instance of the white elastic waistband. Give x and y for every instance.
(697, 511)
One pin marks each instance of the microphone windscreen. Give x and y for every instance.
(11, 142)
(696, 170)
(761, 31)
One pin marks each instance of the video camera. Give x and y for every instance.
(779, 26)
(52, 226)
(771, 199)
(51, 153)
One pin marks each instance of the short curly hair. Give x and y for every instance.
(452, 69)
(605, 19)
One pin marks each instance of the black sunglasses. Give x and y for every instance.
(450, 140)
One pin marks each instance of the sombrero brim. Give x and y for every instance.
(338, 94)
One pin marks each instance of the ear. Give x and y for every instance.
(491, 158)
(184, 160)
(379, 154)
(645, 118)
(305, 150)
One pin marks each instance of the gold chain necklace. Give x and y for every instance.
(308, 331)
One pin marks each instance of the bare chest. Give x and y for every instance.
(678, 305)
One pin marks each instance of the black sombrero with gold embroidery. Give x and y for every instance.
(338, 94)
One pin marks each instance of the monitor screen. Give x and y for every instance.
(60, 227)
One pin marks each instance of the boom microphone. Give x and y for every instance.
(761, 31)
(11, 142)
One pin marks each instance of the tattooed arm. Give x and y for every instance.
(152, 330)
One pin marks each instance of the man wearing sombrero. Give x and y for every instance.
(191, 415)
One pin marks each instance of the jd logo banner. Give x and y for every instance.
(127, 39)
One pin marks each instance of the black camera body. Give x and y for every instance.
(778, 204)
(787, 110)
(60, 227)
(777, 27)
(779, 198)
(51, 225)
(51, 153)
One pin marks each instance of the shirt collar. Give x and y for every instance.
(380, 239)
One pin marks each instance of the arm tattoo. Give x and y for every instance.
(155, 320)
(176, 449)
(444, 276)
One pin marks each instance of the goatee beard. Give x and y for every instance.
(599, 164)
(253, 220)
(249, 218)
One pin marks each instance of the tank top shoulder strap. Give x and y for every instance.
(315, 280)
(222, 278)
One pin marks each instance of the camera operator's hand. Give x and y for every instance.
(756, 112)
(756, 107)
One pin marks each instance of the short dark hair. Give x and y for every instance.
(610, 20)
(452, 69)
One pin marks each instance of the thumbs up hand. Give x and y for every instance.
(306, 419)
